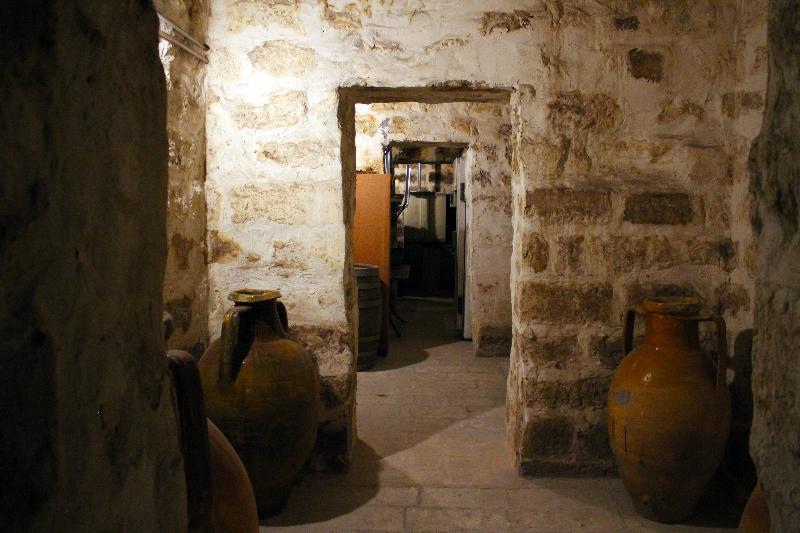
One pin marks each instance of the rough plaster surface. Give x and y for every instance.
(776, 224)
(486, 128)
(89, 432)
(630, 127)
(185, 279)
(630, 181)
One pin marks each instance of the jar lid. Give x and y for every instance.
(673, 305)
(250, 296)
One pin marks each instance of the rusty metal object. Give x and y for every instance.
(669, 410)
(262, 390)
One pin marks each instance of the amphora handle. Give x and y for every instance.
(722, 348)
(229, 340)
(281, 321)
(193, 435)
(627, 331)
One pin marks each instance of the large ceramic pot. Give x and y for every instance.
(233, 508)
(755, 518)
(669, 410)
(262, 390)
(218, 492)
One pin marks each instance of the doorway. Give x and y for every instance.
(452, 147)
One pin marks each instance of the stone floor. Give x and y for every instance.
(432, 455)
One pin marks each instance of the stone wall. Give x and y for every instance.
(486, 128)
(89, 434)
(776, 224)
(186, 280)
(742, 110)
(626, 177)
(629, 187)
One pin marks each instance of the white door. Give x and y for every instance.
(462, 266)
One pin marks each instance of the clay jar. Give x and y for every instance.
(669, 410)
(234, 505)
(262, 390)
(755, 518)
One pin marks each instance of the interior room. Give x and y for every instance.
(400, 265)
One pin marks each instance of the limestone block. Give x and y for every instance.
(588, 393)
(625, 254)
(282, 58)
(548, 437)
(648, 65)
(281, 110)
(535, 252)
(710, 165)
(554, 351)
(569, 254)
(722, 253)
(673, 109)
(492, 341)
(311, 153)
(559, 303)
(558, 205)
(659, 208)
(633, 294)
(291, 203)
(735, 104)
(592, 442)
(246, 14)
(607, 349)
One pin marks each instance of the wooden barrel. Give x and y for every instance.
(370, 309)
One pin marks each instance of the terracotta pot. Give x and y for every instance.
(262, 391)
(669, 410)
(193, 435)
(755, 518)
(233, 508)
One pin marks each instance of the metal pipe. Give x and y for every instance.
(419, 176)
(387, 160)
(406, 196)
(408, 187)
(167, 37)
(183, 32)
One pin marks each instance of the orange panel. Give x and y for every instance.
(372, 233)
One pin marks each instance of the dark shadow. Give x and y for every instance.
(411, 357)
(738, 469)
(425, 328)
(342, 492)
(717, 509)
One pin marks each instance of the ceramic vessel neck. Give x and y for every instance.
(672, 331)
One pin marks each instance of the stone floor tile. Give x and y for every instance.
(450, 519)
(459, 497)
(365, 518)
(432, 454)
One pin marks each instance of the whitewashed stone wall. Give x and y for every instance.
(486, 128)
(186, 278)
(621, 181)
